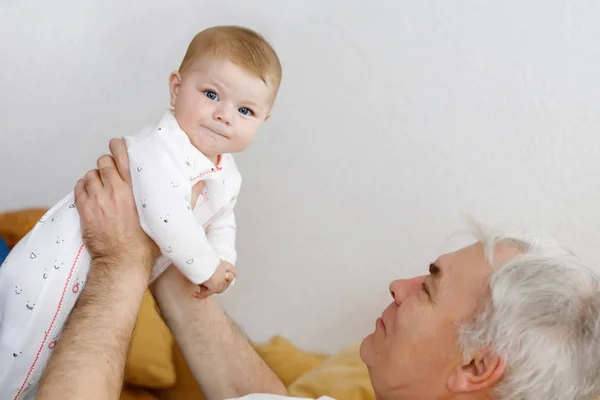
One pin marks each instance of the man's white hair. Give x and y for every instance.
(542, 316)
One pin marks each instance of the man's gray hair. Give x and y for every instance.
(542, 316)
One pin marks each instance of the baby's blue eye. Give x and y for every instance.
(245, 111)
(211, 95)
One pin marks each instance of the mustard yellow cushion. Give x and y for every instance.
(136, 394)
(150, 358)
(186, 387)
(15, 224)
(287, 361)
(342, 376)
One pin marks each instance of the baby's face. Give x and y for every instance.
(219, 106)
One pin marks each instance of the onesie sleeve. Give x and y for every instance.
(162, 195)
(221, 234)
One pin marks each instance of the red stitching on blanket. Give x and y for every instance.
(52, 323)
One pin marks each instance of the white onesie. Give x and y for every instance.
(45, 272)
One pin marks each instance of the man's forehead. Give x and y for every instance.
(472, 256)
(464, 271)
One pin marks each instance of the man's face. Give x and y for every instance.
(413, 349)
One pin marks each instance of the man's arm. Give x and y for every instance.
(91, 353)
(88, 362)
(223, 362)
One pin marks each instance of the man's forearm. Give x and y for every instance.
(223, 362)
(94, 343)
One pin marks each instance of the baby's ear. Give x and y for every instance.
(174, 85)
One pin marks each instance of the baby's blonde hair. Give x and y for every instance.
(242, 46)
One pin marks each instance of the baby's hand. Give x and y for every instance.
(218, 282)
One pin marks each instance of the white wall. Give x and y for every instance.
(395, 119)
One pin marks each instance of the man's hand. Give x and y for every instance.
(88, 361)
(109, 220)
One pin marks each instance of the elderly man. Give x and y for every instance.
(505, 318)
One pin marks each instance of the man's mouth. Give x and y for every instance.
(380, 323)
(383, 322)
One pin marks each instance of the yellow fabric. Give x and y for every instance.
(136, 394)
(149, 363)
(342, 376)
(155, 362)
(150, 358)
(186, 387)
(288, 362)
(15, 224)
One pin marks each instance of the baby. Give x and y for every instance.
(220, 96)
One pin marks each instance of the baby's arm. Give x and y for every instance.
(221, 234)
(162, 194)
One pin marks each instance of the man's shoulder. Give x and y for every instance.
(264, 396)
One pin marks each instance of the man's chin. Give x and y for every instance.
(366, 349)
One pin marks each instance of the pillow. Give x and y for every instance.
(186, 387)
(136, 394)
(149, 363)
(4, 250)
(15, 224)
(150, 359)
(342, 376)
(287, 361)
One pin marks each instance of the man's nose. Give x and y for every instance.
(223, 114)
(400, 289)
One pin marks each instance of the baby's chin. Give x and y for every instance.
(206, 145)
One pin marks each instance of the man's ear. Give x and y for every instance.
(483, 370)
(174, 85)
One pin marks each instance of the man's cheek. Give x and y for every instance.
(410, 325)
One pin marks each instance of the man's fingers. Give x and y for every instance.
(92, 182)
(108, 171)
(118, 150)
(80, 193)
